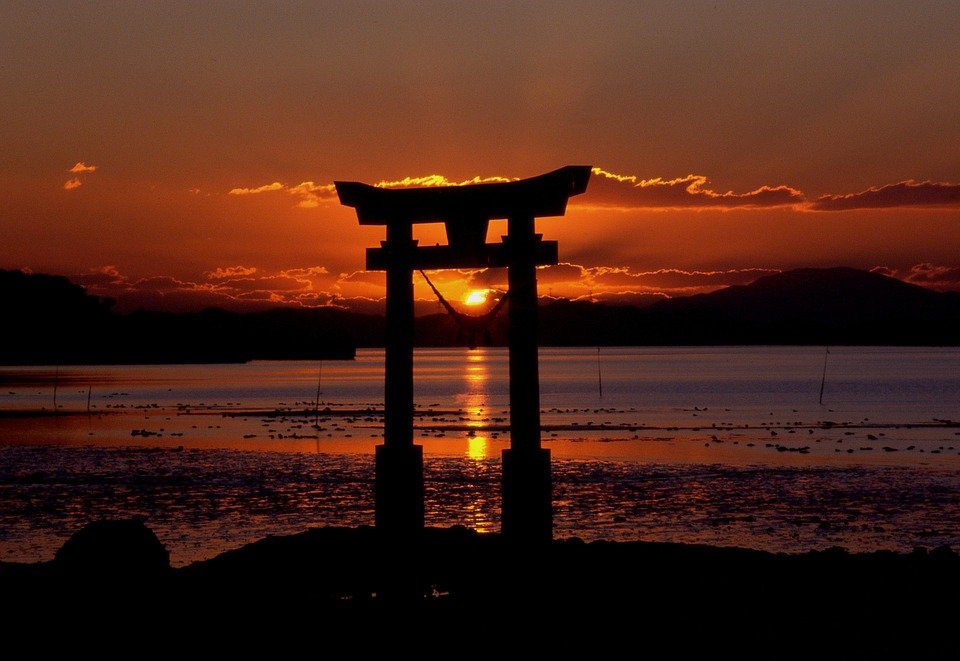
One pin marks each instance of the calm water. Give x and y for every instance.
(716, 445)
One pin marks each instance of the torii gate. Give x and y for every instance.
(466, 212)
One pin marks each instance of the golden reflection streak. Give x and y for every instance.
(477, 374)
(477, 448)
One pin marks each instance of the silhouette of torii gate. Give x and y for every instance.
(466, 212)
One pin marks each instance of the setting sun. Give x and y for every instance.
(476, 297)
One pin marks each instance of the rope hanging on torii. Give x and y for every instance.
(468, 325)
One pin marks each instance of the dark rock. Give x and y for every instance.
(118, 548)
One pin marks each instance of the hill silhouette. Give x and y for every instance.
(804, 306)
(48, 319)
(817, 306)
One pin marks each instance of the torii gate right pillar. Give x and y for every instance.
(527, 506)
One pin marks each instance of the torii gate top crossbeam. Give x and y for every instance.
(544, 195)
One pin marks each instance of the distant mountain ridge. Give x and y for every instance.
(49, 320)
(802, 306)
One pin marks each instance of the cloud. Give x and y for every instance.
(78, 169)
(456, 275)
(169, 283)
(315, 298)
(239, 288)
(440, 180)
(266, 188)
(259, 295)
(230, 272)
(909, 193)
(562, 272)
(935, 276)
(309, 193)
(608, 189)
(247, 288)
(620, 285)
(101, 276)
(632, 298)
(366, 277)
(678, 279)
(276, 283)
(618, 191)
(311, 271)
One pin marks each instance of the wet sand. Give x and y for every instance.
(213, 476)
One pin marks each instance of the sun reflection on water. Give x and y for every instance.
(477, 448)
(474, 399)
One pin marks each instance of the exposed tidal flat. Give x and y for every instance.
(719, 446)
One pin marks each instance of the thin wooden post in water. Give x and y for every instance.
(316, 405)
(599, 374)
(823, 378)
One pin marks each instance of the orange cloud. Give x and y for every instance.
(238, 288)
(618, 285)
(364, 291)
(311, 271)
(439, 180)
(631, 298)
(366, 277)
(266, 188)
(678, 279)
(909, 193)
(618, 191)
(82, 167)
(310, 193)
(169, 283)
(101, 276)
(79, 168)
(274, 283)
(230, 272)
(935, 276)
(631, 192)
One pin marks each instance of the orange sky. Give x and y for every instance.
(180, 156)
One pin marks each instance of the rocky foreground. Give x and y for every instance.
(452, 581)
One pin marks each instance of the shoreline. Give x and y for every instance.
(752, 597)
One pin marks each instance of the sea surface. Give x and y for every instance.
(724, 445)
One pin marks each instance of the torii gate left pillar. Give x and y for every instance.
(465, 212)
(399, 462)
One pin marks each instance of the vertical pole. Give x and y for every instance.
(399, 463)
(527, 507)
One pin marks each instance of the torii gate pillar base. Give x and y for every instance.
(527, 510)
(399, 489)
